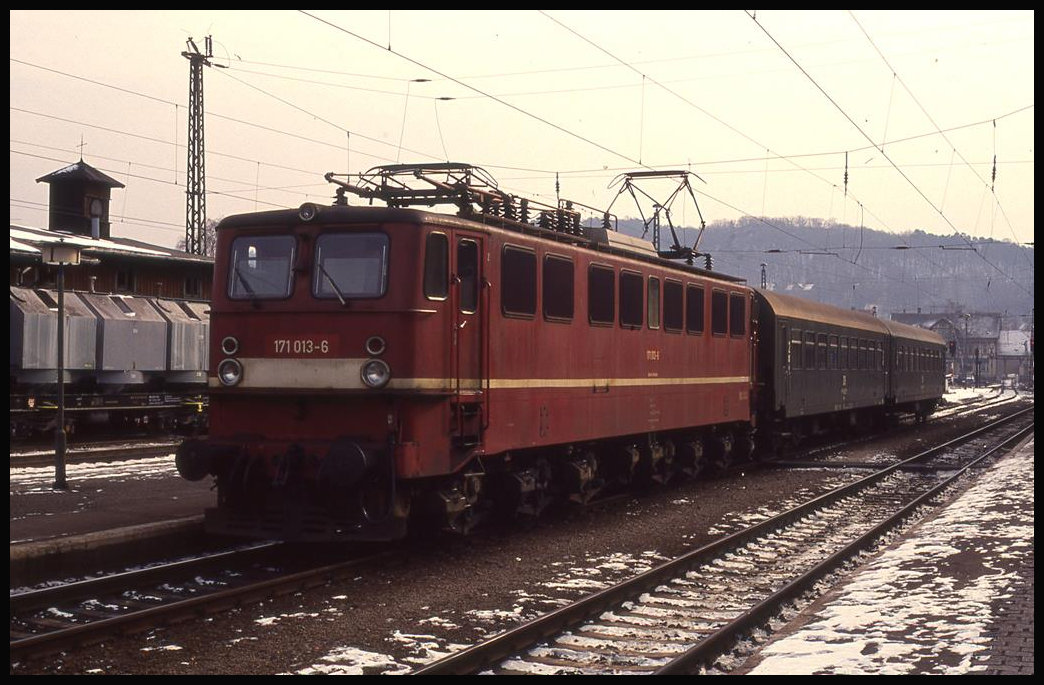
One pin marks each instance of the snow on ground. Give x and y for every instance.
(40, 479)
(923, 606)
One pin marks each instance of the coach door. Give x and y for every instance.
(468, 338)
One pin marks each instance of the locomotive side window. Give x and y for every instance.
(653, 305)
(350, 265)
(518, 281)
(631, 300)
(260, 267)
(467, 272)
(601, 292)
(694, 309)
(719, 312)
(436, 267)
(558, 288)
(673, 306)
(737, 315)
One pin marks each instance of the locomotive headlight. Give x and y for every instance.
(229, 345)
(230, 372)
(375, 373)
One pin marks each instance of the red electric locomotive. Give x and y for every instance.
(373, 366)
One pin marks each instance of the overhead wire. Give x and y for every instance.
(845, 114)
(480, 92)
(928, 115)
(698, 108)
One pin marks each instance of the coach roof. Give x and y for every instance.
(799, 308)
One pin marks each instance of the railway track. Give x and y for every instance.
(73, 615)
(683, 615)
(60, 618)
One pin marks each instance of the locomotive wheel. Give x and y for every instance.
(691, 457)
(581, 480)
(460, 504)
(622, 464)
(522, 492)
(720, 456)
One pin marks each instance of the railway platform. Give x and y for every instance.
(954, 594)
(951, 595)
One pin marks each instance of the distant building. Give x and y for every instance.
(79, 215)
(1015, 356)
(972, 338)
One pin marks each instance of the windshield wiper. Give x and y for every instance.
(340, 295)
(243, 280)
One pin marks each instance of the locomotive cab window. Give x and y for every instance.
(436, 267)
(260, 267)
(350, 265)
(558, 288)
(518, 281)
(467, 272)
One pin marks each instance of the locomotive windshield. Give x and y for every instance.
(350, 265)
(260, 267)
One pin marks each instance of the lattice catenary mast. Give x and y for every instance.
(196, 180)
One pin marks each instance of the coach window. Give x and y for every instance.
(631, 303)
(737, 315)
(558, 288)
(518, 281)
(653, 305)
(673, 306)
(436, 267)
(467, 272)
(260, 267)
(795, 349)
(694, 309)
(810, 350)
(350, 265)
(821, 350)
(842, 351)
(832, 353)
(719, 312)
(601, 294)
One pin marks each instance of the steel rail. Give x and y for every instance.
(495, 650)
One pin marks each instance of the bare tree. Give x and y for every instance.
(209, 239)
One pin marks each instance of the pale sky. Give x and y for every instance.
(762, 107)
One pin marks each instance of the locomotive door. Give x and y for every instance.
(468, 339)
